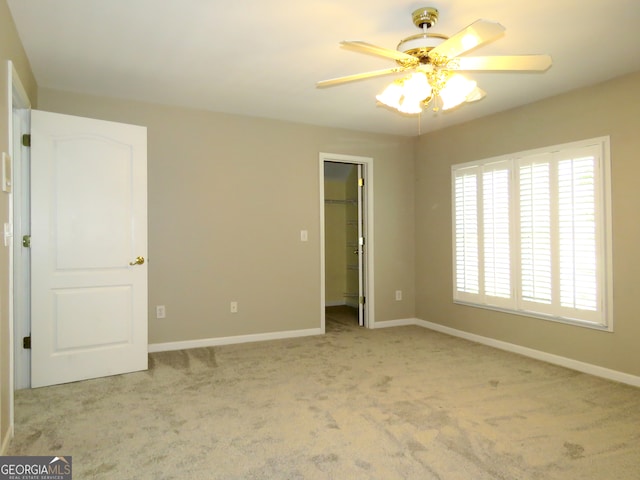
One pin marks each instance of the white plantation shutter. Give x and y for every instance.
(532, 233)
(496, 231)
(466, 232)
(535, 229)
(578, 232)
(482, 234)
(558, 233)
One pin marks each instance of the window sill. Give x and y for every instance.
(567, 321)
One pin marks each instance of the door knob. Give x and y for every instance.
(137, 261)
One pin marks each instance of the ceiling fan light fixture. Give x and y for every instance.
(456, 91)
(408, 94)
(475, 95)
(410, 108)
(391, 95)
(416, 87)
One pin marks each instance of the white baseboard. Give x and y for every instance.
(491, 342)
(217, 341)
(337, 303)
(402, 322)
(525, 351)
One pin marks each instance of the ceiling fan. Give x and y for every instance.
(431, 62)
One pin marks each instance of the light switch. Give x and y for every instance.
(304, 235)
(6, 172)
(8, 234)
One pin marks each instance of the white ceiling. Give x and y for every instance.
(263, 58)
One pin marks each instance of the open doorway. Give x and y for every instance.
(347, 272)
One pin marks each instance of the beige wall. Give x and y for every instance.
(10, 49)
(611, 108)
(228, 196)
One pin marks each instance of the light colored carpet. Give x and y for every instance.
(397, 403)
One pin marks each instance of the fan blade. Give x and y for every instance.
(365, 47)
(507, 62)
(476, 34)
(358, 76)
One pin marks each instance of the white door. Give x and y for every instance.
(88, 246)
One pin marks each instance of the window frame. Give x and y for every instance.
(602, 319)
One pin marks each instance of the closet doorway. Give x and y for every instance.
(347, 243)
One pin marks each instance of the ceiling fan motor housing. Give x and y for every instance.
(420, 44)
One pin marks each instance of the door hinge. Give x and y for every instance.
(361, 182)
(26, 342)
(26, 241)
(26, 140)
(362, 300)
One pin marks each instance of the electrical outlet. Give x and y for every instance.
(160, 311)
(398, 295)
(234, 307)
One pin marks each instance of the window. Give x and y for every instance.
(531, 233)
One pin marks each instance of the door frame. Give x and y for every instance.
(367, 162)
(18, 122)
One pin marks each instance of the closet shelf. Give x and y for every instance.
(331, 201)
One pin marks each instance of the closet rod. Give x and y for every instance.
(340, 202)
